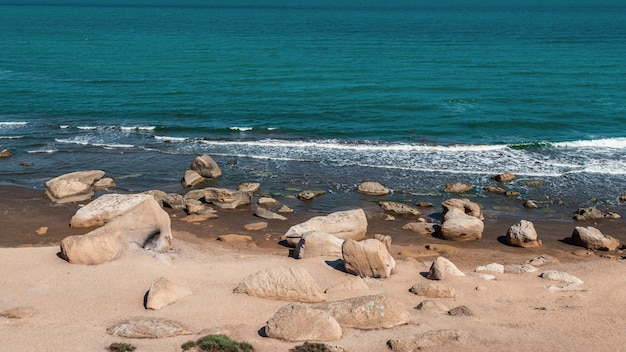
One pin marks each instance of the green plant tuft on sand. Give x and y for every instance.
(121, 347)
(310, 347)
(217, 343)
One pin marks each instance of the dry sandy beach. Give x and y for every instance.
(69, 307)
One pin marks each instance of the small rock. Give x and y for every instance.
(482, 276)
(529, 204)
(461, 310)
(430, 305)
(267, 201)
(560, 276)
(18, 313)
(5, 153)
(532, 183)
(163, 292)
(433, 290)
(505, 177)
(612, 215)
(174, 201)
(588, 214)
(255, 226)
(424, 204)
(542, 260)
(511, 193)
(421, 341)
(308, 195)
(421, 228)
(42, 230)
(519, 268)
(399, 208)
(441, 267)
(26, 164)
(373, 189)
(494, 189)
(523, 234)
(151, 328)
(267, 214)
(495, 267)
(458, 187)
(442, 248)
(198, 217)
(234, 238)
(251, 187)
(192, 178)
(285, 209)
(622, 198)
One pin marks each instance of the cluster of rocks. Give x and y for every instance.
(77, 186)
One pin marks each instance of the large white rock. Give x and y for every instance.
(441, 268)
(205, 166)
(458, 226)
(282, 283)
(105, 208)
(523, 234)
(318, 244)
(592, 238)
(349, 224)
(297, 322)
(163, 292)
(146, 225)
(73, 187)
(368, 258)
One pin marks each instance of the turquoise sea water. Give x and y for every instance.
(297, 94)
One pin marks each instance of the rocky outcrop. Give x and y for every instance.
(349, 224)
(282, 283)
(224, 198)
(593, 239)
(399, 208)
(73, 187)
(163, 292)
(146, 225)
(373, 189)
(458, 226)
(298, 322)
(367, 312)
(522, 234)
(441, 268)
(467, 206)
(318, 244)
(368, 258)
(105, 208)
(148, 328)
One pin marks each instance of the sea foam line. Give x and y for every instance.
(12, 123)
(614, 143)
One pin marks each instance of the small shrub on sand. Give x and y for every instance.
(121, 347)
(217, 343)
(310, 347)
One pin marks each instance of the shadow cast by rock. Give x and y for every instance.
(337, 264)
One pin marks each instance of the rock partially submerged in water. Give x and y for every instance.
(373, 188)
(589, 213)
(399, 208)
(205, 166)
(505, 177)
(458, 187)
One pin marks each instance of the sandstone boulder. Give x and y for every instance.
(468, 207)
(224, 198)
(267, 214)
(104, 183)
(385, 239)
(192, 178)
(146, 225)
(523, 234)
(174, 201)
(368, 258)
(433, 306)
(457, 226)
(163, 292)
(433, 290)
(297, 322)
(105, 208)
(316, 244)
(205, 166)
(424, 340)
(592, 238)
(282, 283)
(373, 189)
(73, 187)
(588, 214)
(367, 312)
(399, 208)
(349, 224)
(441, 268)
(148, 328)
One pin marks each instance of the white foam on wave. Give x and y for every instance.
(612, 143)
(9, 124)
(170, 139)
(138, 128)
(81, 141)
(241, 129)
(11, 137)
(63, 127)
(43, 151)
(113, 146)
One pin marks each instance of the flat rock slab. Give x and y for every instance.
(424, 340)
(297, 322)
(367, 312)
(148, 328)
(105, 208)
(282, 283)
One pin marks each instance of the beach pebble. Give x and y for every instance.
(442, 248)
(421, 228)
(560, 276)
(234, 238)
(424, 204)
(255, 226)
(494, 189)
(285, 209)
(482, 276)
(5, 153)
(42, 230)
(529, 204)
(511, 193)
(519, 268)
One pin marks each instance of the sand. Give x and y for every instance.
(72, 305)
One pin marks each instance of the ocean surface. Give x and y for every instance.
(321, 95)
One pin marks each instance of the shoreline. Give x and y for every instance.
(73, 305)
